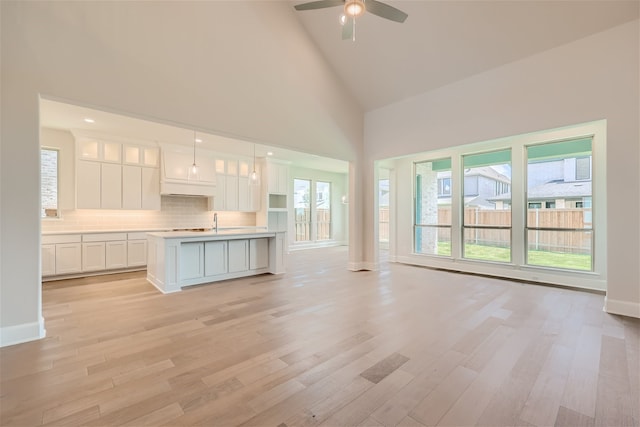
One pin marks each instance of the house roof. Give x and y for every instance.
(554, 190)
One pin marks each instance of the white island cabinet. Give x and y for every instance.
(184, 258)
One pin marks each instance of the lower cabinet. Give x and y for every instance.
(238, 255)
(136, 253)
(68, 258)
(115, 254)
(93, 256)
(215, 258)
(67, 254)
(48, 260)
(191, 260)
(258, 253)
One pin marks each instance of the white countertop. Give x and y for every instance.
(145, 230)
(221, 234)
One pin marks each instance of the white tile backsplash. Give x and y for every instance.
(176, 212)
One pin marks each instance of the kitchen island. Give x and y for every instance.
(183, 258)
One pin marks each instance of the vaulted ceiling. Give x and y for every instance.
(445, 41)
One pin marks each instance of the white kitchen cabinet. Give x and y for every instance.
(117, 175)
(115, 254)
(238, 255)
(258, 253)
(277, 178)
(110, 186)
(140, 155)
(48, 260)
(136, 253)
(150, 189)
(131, 187)
(277, 220)
(68, 258)
(220, 199)
(215, 258)
(88, 185)
(99, 150)
(231, 193)
(191, 260)
(93, 256)
(140, 188)
(244, 195)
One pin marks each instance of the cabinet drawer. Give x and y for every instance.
(61, 238)
(104, 237)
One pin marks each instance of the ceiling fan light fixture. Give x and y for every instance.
(354, 8)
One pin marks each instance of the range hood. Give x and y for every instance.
(174, 172)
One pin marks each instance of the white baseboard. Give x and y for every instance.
(625, 308)
(17, 334)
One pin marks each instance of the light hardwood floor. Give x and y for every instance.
(324, 346)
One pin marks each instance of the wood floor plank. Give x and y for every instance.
(438, 402)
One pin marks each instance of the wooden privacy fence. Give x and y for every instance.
(543, 240)
(303, 225)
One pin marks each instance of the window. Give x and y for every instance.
(444, 187)
(302, 208)
(517, 208)
(432, 220)
(486, 230)
(583, 168)
(323, 210)
(49, 159)
(383, 210)
(312, 220)
(562, 237)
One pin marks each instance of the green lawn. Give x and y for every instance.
(541, 258)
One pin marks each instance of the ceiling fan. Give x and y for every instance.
(353, 9)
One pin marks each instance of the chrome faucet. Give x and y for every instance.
(215, 221)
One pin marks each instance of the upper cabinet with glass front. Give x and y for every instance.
(140, 155)
(99, 150)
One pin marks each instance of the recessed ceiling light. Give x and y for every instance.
(269, 153)
(198, 140)
(89, 120)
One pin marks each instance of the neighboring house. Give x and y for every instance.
(481, 184)
(556, 184)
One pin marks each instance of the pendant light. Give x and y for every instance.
(194, 170)
(254, 177)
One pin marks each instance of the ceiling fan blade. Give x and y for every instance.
(385, 11)
(347, 29)
(321, 4)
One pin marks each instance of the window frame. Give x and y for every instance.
(315, 215)
(464, 226)
(552, 205)
(416, 225)
(517, 269)
(58, 215)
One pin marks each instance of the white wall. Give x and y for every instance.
(339, 188)
(593, 78)
(244, 69)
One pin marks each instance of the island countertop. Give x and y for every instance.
(210, 234)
